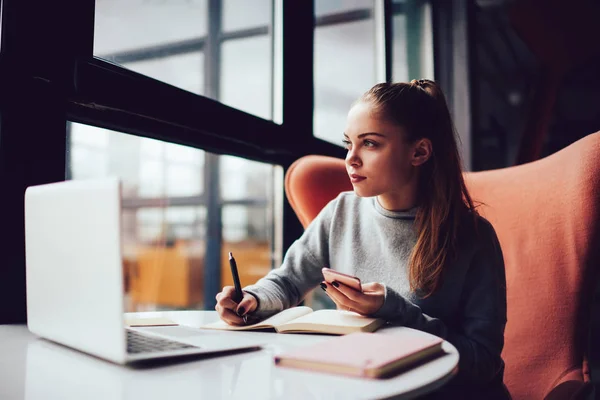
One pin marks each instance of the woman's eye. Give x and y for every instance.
(346, 143)
(369, 143)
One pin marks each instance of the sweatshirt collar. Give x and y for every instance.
(404, 214)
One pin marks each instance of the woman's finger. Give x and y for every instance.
(226, 292)
(228, 303)
(229, 316)
(339, 298)
(373, 287)
(350, 293)
(247, 305)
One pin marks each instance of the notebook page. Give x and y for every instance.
(334, 317)
(276, 320)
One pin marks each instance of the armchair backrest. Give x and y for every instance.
(313, 181)
(547, 217)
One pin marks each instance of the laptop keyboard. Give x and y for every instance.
(140, 343)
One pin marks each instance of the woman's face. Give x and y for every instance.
(379, 160)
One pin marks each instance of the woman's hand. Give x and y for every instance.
(366, 303)
(232, 312)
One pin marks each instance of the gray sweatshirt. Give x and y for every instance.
(357, 236)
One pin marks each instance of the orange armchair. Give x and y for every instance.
(547, 217)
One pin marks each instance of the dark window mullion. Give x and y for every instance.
(126, 101)
(388, 21)
(40, 42)
(214, 223)
(298, 92)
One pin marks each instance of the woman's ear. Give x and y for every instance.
(422, 150)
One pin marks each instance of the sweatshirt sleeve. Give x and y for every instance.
(300, 272)
(479, 335)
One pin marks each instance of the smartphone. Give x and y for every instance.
(331, 275)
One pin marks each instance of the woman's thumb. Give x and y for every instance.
(248, 304)
(372, 287)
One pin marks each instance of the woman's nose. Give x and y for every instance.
(352, 158)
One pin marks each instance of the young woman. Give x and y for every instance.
(409, 229)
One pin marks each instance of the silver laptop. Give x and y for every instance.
(75, 291)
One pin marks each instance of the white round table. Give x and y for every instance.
(34, 368)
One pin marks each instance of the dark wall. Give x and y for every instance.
(512, 62)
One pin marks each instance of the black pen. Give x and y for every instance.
(238, 296)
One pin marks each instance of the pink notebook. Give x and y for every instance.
(369, 355)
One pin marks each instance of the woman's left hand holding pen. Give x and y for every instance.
(232, 312)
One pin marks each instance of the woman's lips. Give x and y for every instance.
(356, 178)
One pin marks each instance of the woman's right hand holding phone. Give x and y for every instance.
(349, 294)
(231, 312)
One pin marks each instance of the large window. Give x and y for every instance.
(200, 73)
(166, 209)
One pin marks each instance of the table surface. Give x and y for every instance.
(33, 368)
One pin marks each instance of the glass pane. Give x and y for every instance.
(88, 162)
(412, 42)
(246, 179)
(122, 26)
(165, 40)
(399, 59)
(160, 39)
(152, 180)
(243, 14)
(324, 7)
(91, 136)
(165, 214)
(344, 69)
(183, 180)
(246, 233)
(185, 71)
(246, 75)
(248, 227)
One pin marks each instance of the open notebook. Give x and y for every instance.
(368, 355)
(304, 319)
